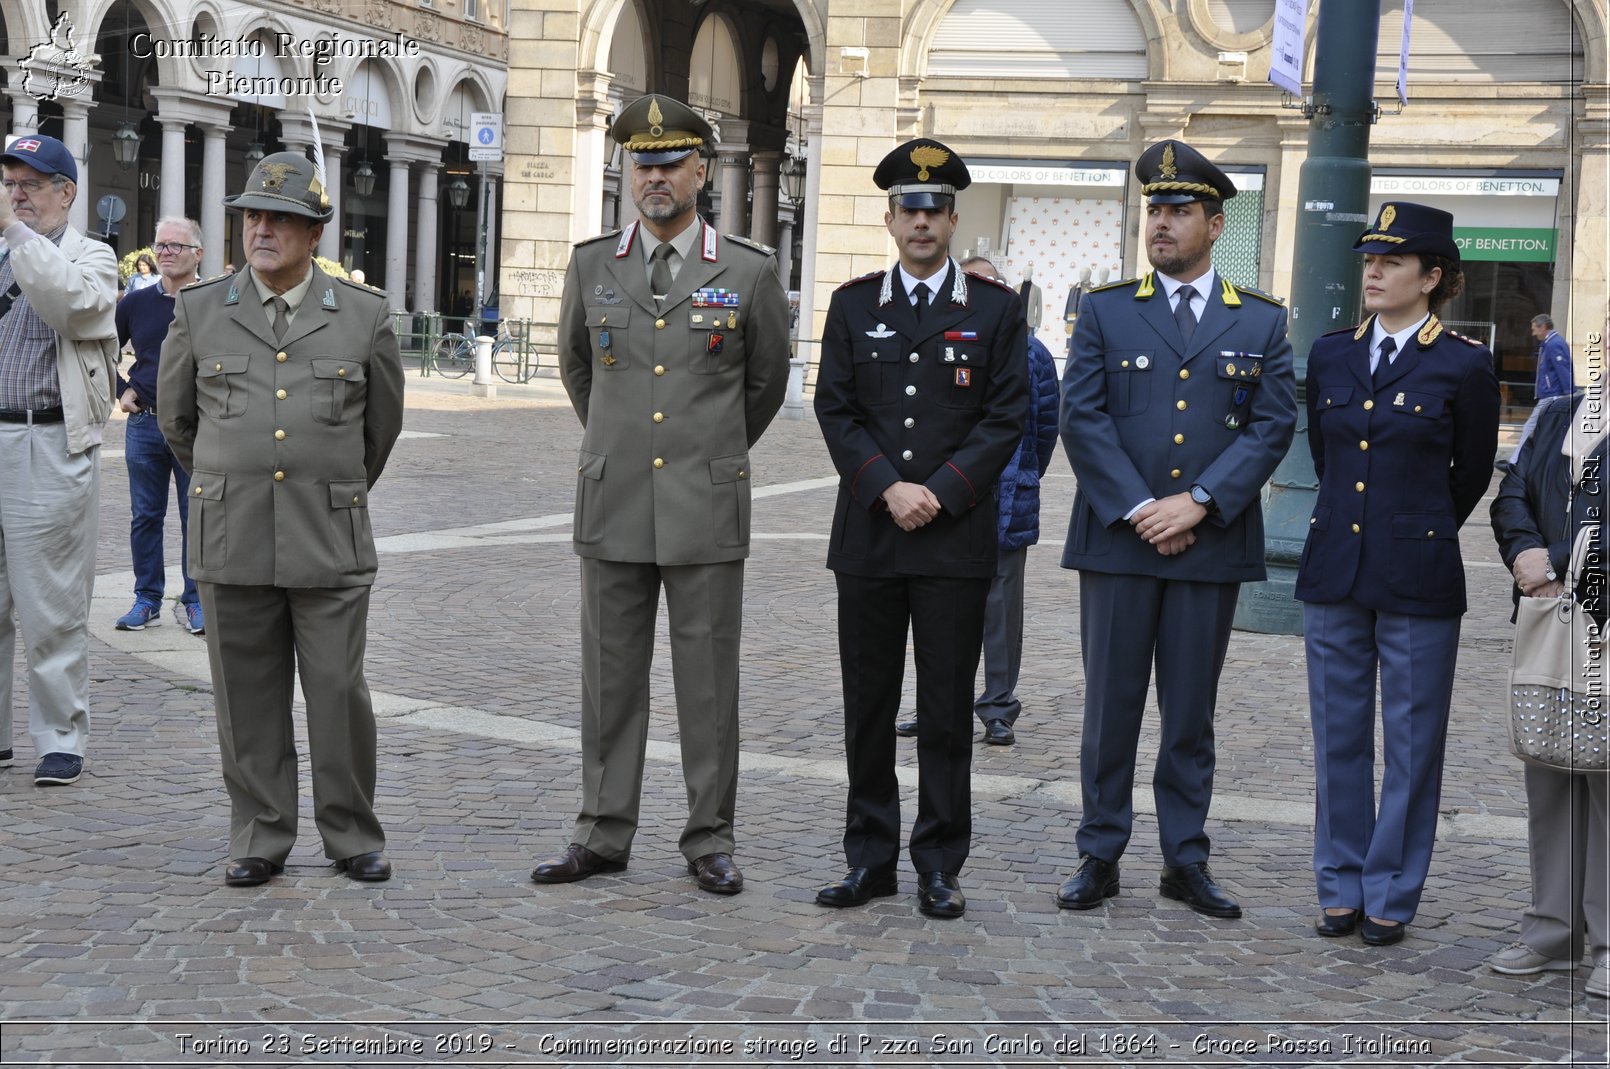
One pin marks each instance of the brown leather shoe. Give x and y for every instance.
(717, 874)
(250, 871)
(370, 868)
(576, 863)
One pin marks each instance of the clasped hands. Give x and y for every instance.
(1531, 572)
(911, 505)
(1167, 523)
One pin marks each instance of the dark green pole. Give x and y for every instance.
(1333, 194)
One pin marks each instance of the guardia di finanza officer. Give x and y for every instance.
(1178, 402)
(280, 391)
(922, 397)
(673, 346)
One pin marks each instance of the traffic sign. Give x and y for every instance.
(486, 135)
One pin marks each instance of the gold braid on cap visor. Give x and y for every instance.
(1383, 237)
(679, 139)
(1180, 187)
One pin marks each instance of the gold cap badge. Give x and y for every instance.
(656, 119)
(926, 156)
(1388, 214)
(1168, 169)
(274, 175)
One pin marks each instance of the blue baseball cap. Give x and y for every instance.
(44, 154)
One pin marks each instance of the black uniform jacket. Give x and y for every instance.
(942, 403)
(1401, 466)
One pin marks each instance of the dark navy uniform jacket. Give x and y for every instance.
(941, 403)
(1400, 469)
(1145, 415)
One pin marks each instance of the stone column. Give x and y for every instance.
(763, 216)
(491, 176)
(732, 178)
(212, 200)
(810, 325)
(170, 199)
(425, 238)
(592, 148)
(330, 241)
(785, 245)
(75, 135)
(397, 233)
(24, 109)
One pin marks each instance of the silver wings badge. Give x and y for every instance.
(882, 332)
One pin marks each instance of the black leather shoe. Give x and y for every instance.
(717, 874)
(859, 887)
(1193, 884)
(576, 863)
(370, 868)
(1095, 882)
(999, 733)
(250, 871)
(939, 894)
(1380, 935)
(906, 729)
(1335, 925)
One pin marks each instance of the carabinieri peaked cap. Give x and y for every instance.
(922, 174)
(1172, 172)
(1403, 226)
(658, 129)
(284, 182)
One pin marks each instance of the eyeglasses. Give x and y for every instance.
(31, 186)
(162, 247)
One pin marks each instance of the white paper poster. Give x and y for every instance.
(1286, 62)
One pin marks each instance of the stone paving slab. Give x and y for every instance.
(120, 946)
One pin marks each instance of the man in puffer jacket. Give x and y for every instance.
(1019, 528)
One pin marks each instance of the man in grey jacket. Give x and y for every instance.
(58, 356)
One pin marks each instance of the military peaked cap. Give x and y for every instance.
(922, 174)
(1172, 172)
(1403, 226)
(658, 129)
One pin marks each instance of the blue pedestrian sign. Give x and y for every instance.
(486, 135)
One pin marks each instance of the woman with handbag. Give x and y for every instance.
(1403, 425)
(1552, 502)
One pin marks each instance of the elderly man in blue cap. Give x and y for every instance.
(58, 363)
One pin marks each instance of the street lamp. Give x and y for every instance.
(793, 176)
(254, 153)
(363, 178)
(126, 145)
(458, 191)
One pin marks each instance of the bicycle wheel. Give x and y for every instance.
(506, 361)
(453, 357)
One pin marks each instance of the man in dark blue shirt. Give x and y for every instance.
(142, 318)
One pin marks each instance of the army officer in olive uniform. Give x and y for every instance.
(922, 397)
(280, 391)
(674, 348)
(1178, 402)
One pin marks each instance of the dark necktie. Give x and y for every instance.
(1183, 315)
(280, 323)
(1387, 347)
(919, 291)
(659, 271)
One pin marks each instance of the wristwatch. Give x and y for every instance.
(1203, 498)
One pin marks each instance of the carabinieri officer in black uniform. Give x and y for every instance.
(921, 396)
(1403, 424)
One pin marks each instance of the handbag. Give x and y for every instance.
(1558, 716)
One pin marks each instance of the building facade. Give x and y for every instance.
(1050, 101)
(202, 90)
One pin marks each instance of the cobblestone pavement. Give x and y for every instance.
(121, 946)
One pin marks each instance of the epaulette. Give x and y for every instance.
(1250, 292)
(1111, 285)
(869, 276)
(363, 287)
(991, 281)
(1339, 330)
(1467, 341)
(207, 281)
(764, 250)
(598, 237)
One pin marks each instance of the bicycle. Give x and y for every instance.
(511, 352)
(453, 355)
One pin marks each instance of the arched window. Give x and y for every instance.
(714, 80)
(1040, 39)
(628, 61)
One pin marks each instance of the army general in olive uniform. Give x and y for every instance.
(280, 390)
(673, 346)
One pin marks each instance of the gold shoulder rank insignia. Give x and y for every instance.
(1147, 287)
(1111, 285)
